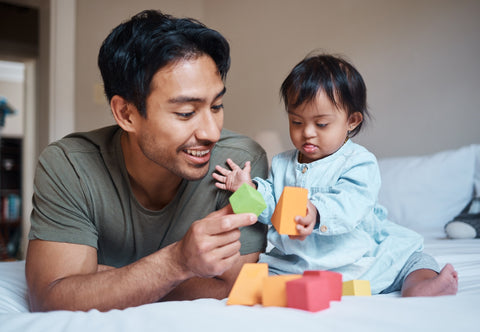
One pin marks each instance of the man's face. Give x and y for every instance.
(184, 117)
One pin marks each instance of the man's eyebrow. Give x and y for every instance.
(188, 99)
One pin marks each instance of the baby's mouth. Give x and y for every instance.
(309, 148)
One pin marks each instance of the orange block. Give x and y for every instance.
(274, 290)
(247, 289)
(292, 203)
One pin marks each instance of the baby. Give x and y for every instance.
(345, 229)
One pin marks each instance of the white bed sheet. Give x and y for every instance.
(376, 313)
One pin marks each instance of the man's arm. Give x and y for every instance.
(66, 276)
(217, 287)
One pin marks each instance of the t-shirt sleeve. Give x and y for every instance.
(60, 209)
(253, 238)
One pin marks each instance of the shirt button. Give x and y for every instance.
(304, 169)
(323, 228)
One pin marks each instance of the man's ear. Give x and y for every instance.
(354, 120)
(123, 112)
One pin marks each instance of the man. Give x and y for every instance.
(129, 214)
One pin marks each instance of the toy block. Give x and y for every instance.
(292, 203)
(246, 199)
(308, 293)
(334, 282)
(356, 288)
(274, 292)
(247, 289)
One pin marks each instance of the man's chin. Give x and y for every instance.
(196, 172)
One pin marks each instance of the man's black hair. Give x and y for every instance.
(136, 49)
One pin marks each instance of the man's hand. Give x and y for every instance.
(232, 179)
(305, 224)
(212, 245)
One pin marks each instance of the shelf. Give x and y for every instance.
(10, 196)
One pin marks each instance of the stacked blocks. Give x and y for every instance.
(315, 290)
(292, 203)
(247, 200)
(247, 289)
(312, 291)
(274, 292)
(356, 288)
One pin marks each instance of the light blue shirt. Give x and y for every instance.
(353, 236)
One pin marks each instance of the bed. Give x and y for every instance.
(420, 192)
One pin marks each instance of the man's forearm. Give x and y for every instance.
(144, 281)
(217, 287)
(197, 288)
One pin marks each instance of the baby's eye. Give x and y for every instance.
(321, 125)
(296, 122)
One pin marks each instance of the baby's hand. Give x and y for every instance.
(305, 224)
(232, 180)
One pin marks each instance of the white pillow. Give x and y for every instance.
(424, 193)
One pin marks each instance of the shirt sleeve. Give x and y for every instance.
(265, 188)
(60, 212)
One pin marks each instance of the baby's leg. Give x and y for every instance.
(425, 282)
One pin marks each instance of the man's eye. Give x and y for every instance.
(217, 107)
(185, 115)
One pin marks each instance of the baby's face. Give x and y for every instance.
(318, 128)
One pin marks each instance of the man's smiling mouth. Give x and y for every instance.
(197, 153)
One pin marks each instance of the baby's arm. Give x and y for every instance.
(232, 179)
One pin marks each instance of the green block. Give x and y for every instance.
(247, 200)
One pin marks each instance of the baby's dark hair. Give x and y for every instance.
(333, 75)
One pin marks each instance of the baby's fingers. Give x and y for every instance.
(232, 164)
(221, 170)
(304, 226)
(219, 178)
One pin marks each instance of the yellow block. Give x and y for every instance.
(292, 203)
(356, 288)
(247, 289)
(274, 292)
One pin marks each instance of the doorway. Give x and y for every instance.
(19, 27)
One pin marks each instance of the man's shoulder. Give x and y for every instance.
(97, 140)
(231, 140)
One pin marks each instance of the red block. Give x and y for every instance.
(308, 293)
(333, 280)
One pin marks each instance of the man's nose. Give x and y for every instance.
(210, 127)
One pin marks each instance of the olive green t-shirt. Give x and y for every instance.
(82, 195)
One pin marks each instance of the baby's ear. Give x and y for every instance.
(354, 120)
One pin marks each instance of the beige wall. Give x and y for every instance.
(419, 59)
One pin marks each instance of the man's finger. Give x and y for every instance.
(223, 222)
